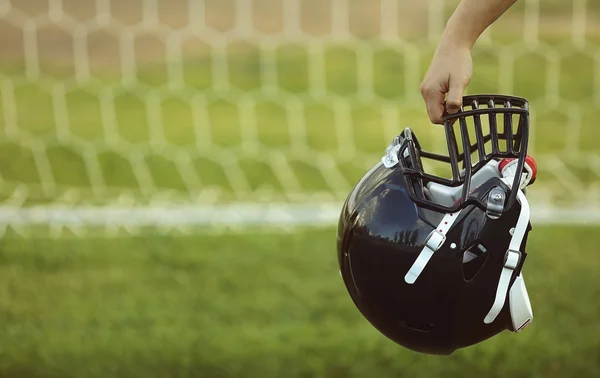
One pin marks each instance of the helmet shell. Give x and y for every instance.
(381, 232)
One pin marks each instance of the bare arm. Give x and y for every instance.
(451, 66)
(471, 18)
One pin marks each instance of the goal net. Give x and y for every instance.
(179, 113)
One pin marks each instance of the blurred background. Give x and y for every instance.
(171, 174)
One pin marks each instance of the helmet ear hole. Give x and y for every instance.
(473, 260)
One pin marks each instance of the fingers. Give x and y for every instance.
(434, 102)
(454, 99)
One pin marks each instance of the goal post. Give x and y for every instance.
(219, 107)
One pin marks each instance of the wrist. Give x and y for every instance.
(453, 44)
(458, 36)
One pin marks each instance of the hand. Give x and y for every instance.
(448, 75)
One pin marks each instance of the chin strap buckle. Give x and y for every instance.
(435, 240)
(511, 259)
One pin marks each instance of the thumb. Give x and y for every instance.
(454, 98)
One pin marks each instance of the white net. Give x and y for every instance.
(117, 105)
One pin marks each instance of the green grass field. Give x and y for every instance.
(261, 305)
(264, 303)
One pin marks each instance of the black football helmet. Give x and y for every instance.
(434, 262)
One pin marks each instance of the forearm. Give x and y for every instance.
(470, 19)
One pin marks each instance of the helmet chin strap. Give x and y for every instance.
(521, 313)
(434, 241)
(520, 307)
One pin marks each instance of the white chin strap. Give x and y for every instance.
(520, 306)
(434, 241)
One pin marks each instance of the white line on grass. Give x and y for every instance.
(235, 215)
